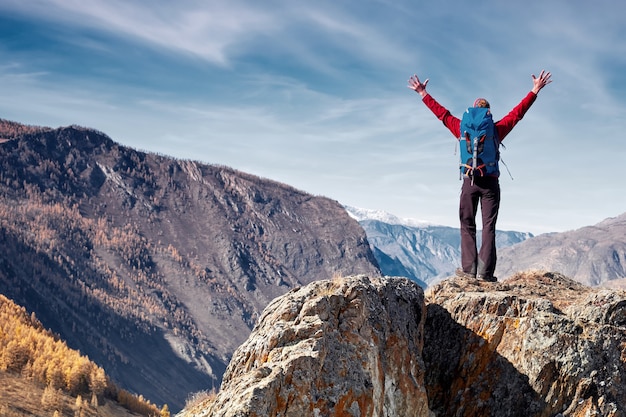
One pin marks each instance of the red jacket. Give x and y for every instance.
(503, 126)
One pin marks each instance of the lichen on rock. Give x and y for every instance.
(537, 344)
(342, 347)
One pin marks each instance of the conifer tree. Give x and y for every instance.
(94, 400)
(51, 398)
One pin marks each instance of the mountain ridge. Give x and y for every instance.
(155, 267)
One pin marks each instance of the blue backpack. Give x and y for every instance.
(479, 144)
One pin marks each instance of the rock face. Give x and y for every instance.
(342, 347)
(539, 344)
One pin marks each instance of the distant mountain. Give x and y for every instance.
(156, 268)
(362, 214)
(422, 252)
(592, 255)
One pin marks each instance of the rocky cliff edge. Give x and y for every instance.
(538, 344)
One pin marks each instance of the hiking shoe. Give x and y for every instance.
(462, 274)
(487, 277)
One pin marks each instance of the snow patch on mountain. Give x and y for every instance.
(361, 214)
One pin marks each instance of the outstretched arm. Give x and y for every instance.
(542, 81)
(506, 124)
(452, 123)
(419, 87)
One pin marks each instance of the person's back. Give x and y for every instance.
(479, 139)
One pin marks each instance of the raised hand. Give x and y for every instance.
(543, 80)
(416, 85)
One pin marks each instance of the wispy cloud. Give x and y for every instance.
(215, 31)
(203, 29)
(314, 94)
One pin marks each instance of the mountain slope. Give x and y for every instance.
(154, 267)
(39, 374)
(592, 255)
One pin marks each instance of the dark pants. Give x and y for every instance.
(487, 191)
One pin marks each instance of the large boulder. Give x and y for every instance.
(538, 344)
(341, 347)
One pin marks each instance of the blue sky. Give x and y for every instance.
(314, 94)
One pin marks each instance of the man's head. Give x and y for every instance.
(481, 102)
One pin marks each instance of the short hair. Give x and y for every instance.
(481, 102)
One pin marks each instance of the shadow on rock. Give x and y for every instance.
(466, 377)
